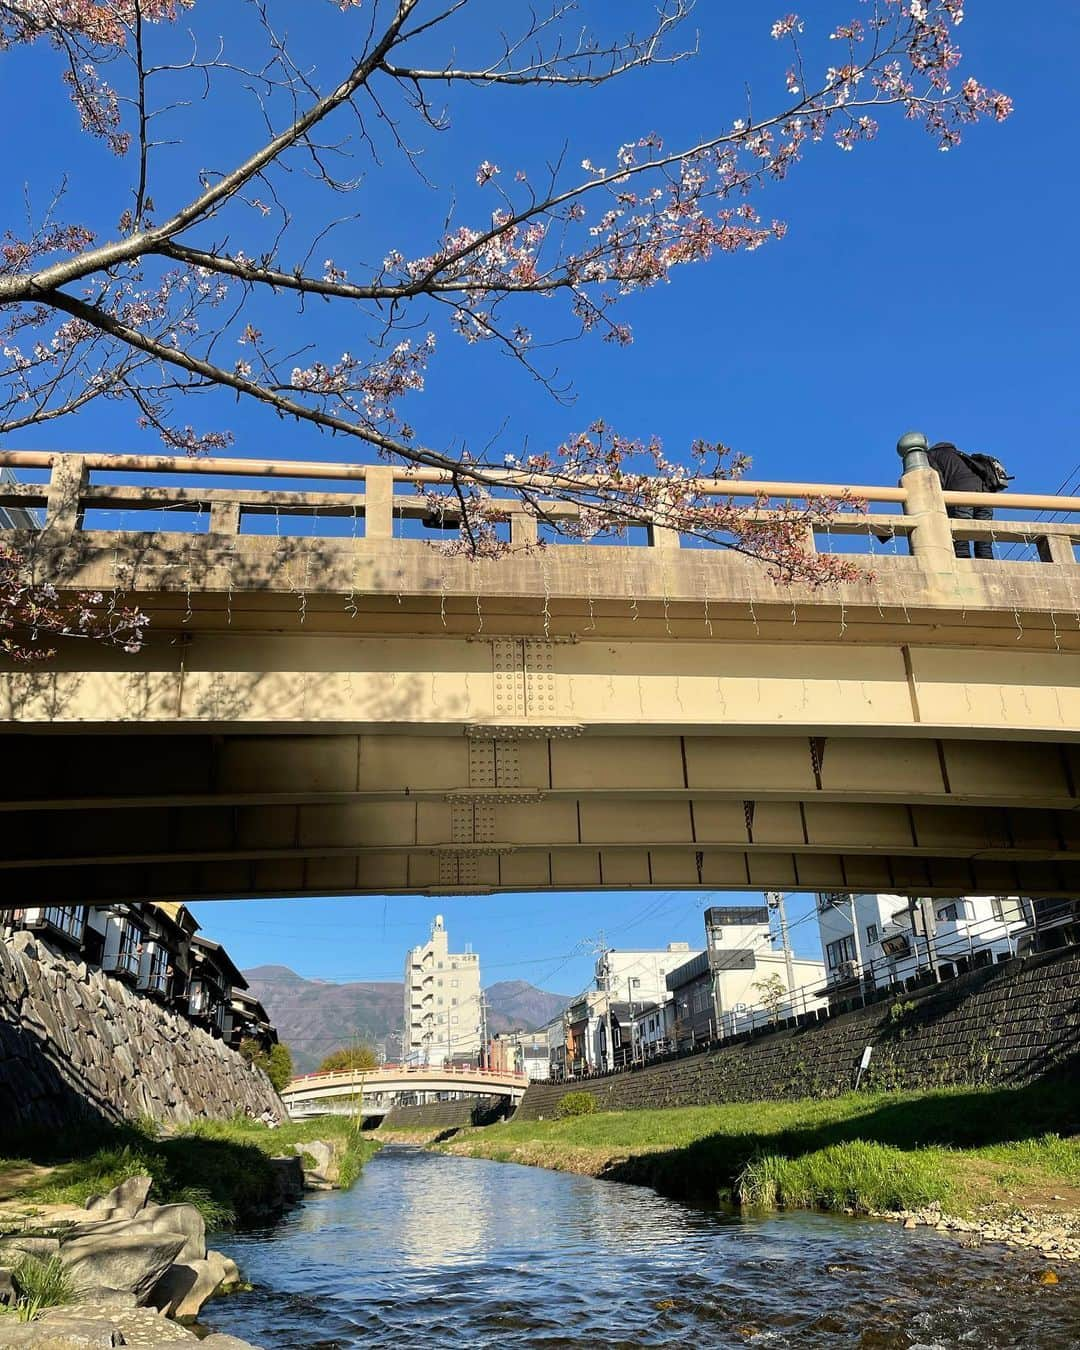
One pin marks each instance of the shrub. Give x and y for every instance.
(575, 1104)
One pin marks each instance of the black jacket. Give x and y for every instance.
(955, 474)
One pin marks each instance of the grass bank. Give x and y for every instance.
(962, 1148)
(222, 1167)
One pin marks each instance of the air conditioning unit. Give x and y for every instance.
(846, 970)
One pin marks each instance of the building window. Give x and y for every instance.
(871, 932)
(947, 913)
(68, 921)
(840, 951)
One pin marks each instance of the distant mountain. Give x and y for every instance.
(514, 1005)
(314, 1017)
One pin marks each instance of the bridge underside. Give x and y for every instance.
(689, 725)
(208, 815)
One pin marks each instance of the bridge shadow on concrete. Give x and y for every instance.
(976, 1118)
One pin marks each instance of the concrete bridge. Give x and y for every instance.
(372, 1092)
(328, 704)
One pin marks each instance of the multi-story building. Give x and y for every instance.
(639, 976)
(524, 1052)
(740, 981)
(442, 1002)
(877, 941)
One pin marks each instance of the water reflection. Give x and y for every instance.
(429, 1251)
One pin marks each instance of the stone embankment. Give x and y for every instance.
(78, 1046)
(131, 1265)
(1005, 1024)
(434, 1118)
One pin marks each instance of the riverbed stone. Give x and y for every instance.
(123, 1201)
(42, 1248)
(177, 1218)
(185, 1287)
(131, 1261)
(231, 1278)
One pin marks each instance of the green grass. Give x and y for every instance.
(221, 1167)
(852, 1176)
(898, 1150)
(41, 1284)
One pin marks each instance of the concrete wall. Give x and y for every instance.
(78, 1046)
(1007, 1024)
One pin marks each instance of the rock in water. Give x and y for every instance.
(185, 1287)
(128, 1261)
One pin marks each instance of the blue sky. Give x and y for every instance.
(914, 290)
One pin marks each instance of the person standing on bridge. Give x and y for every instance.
(957, 474)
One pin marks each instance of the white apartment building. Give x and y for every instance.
(741, 981)
(886, 939)
(442, 1002)
(640, 976)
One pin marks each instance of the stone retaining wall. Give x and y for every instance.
(79, 1046)
(445, 1115)
(1005, 1024)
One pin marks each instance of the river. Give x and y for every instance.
(435, 1251)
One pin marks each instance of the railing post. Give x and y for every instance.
(931, 535)
(523, 531)
(379, 502)
(63, 511)
(1056, 548)
(224, 517)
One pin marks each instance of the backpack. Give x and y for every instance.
(993, 473)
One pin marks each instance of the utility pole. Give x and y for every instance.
(483, 1030)
(775, 900)
(604, 968)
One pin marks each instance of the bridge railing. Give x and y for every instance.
(395, 1071)
(224, 497)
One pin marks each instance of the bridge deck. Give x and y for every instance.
(340, 715)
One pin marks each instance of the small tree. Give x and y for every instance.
(190, 273)
(774, 994)
(279, 1066)
(350, 1059)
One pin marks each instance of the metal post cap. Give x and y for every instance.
(911, 440)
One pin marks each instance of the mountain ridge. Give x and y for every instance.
(314, 1017)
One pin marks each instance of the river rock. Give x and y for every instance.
(219, 1341)
(185, 1287)
(323, 1155)
(43, 1248)
(129, 1261)
(231, 1279)
(101, 1297)
(184, 1219)
(123, 1201)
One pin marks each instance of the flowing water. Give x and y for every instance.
(435, 1251)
